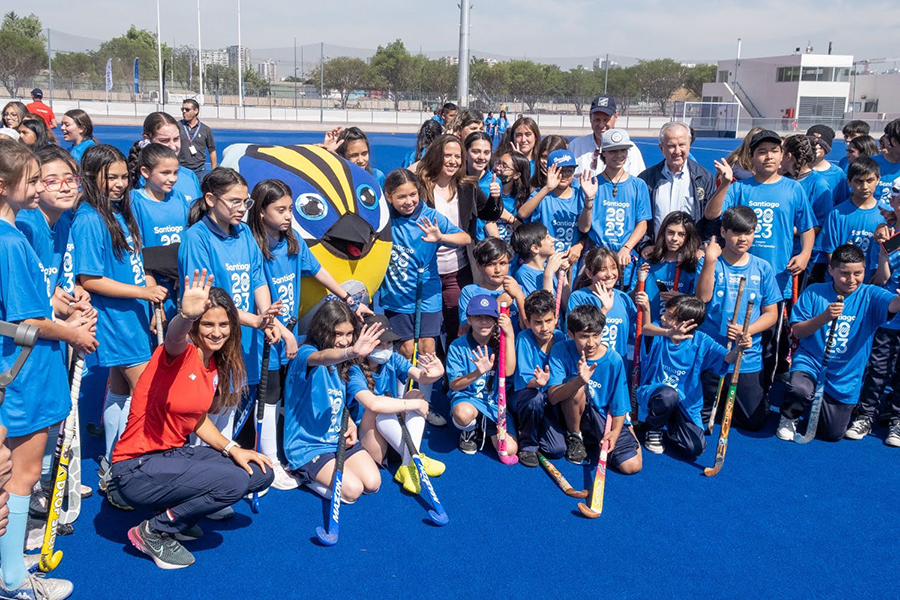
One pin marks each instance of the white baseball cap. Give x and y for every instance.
(615, 139)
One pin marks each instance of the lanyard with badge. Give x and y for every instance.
(190, 138)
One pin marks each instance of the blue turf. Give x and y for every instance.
(780, 520)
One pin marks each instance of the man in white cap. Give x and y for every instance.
(587, 147)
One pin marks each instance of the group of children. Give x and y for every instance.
(106, 254)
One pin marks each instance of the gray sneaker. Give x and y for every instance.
(434, 418)
(37, 587)
(859, 429)
(164, 549)
(893, 438)
(189, 535)
(221, 515)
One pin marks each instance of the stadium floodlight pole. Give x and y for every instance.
(606, 75)
(159, 62)
(240, 60)
(49, 68)
(462, 82)
(737, 63)
(199, 51)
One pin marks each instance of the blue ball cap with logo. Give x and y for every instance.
(482, 304)
(561, 158)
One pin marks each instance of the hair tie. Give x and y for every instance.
(143, 143)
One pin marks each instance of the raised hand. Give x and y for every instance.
(430, 365)
(484, 361)
(553, 178)
(331, 141)
(369, 339)
(585, 371)
(712, 250)
(682, 331)
(495, 187)
(588, 184)
(724, 171)
(431, 230)
(605, 294)
(268, 317)
(541, 376)
(195, 299)
(883, 233)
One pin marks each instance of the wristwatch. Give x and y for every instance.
(226, 451)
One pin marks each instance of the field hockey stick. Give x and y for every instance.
(636, 359)
(559, 480)
(794, 341)
(330, 537)
(734, 316)
(596, 507)
(49, 556)
(73, 483)
(160, 339)
(816, 406)
(560, 284)
(437, 515)
(261, 390)
(417, 321)
(677, 274)
(729, 403)
(505, 458)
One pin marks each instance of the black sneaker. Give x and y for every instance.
(164, 549)
(114, 496)
(575, 452)
(528, 458)
(859, 429)
(467, 442)
(190, 534)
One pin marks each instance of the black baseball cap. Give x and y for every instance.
(766, 135)
(37, 93)
(604, 104)
(824, 136)
(387, 334)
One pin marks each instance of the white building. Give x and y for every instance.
(804, 87)
(215, 57)
(600, 63)
(268, 70)
(233, 57)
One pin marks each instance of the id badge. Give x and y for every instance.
(192, 150)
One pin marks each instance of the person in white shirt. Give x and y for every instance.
(587, 147)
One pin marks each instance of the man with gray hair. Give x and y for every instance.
(678, 183)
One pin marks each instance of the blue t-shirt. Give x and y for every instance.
(780, 207)
(834, 176)
(481, 393)
(489, 124)
(39, 395)
(615, 217)
(532, 280)
(409, 252)
(560, 217)
(49, 243)
(235, 262)
(388, 378)
(889, 172)
(760, 287)
(529, 357)
(504, 229)
(314, 399)
(865, 310)
(122, 323)
(664, 272)
(472, 290)
(679, 366)
(892, 285)
(821, 200)
(618, 333)
(608, 387)
(849, 224)
(187, 184)
(77, 150)
(283, 272)
(379, 176)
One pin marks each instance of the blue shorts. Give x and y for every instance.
(404, 325)
(553, 436)
(308, 472)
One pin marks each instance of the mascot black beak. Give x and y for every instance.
(350, 237)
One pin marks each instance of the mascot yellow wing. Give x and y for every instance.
(339, 211)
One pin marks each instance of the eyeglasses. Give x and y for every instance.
(54, 185)
(238, 202)
(185, 109)
(567, 171)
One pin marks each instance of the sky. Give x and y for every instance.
(690, 30)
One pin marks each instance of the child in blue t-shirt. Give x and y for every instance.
(672, 259)
(889, 163)
(559, 203)
(673, 358)
(492, 258)
(160, 211)
(863, 309)
(162, 128)
(376, 384)
(474, 380)
(589, 384)
(597, 287)
(352, 144)
(718, 282)
(315, 396)
(855, 221)
(542, 265)
(535, 419)
(619, 217)
(109, 266)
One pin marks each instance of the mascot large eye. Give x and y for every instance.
(366, 194)
(312, 206)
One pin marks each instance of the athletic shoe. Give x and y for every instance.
(39, 505)
(408, 477)
(36, 587)
(86, 491)
(575, 452)
(433, 468)
(786, 429)
(221, 515)
(467, 442)
(434, 418)
(859, 429)
(653, 442)
(284, 480)
(31, 562)
(164, 549)
(114, 497)
(190, 534)
(103, 473)
(893, 438)
(528, 458)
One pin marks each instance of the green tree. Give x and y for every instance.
(22, 54)
(624, 86)
(489, 84)
(696, 76)
(393, 70)
(439, 79)
(71, 68)
(579, 85)
(343, 74)
(136, 43)
(659, 79)
(530, 82)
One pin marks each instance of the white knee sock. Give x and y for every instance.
(389, 427)
(425, 388)
(112, 419)
(468, 427)
(268, 439)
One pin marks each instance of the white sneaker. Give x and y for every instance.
(786, 429)
(893, 438)
(221, 515)
(36, 586)
(283, 479)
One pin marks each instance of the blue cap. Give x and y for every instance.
(561, 158)
(482, 304)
